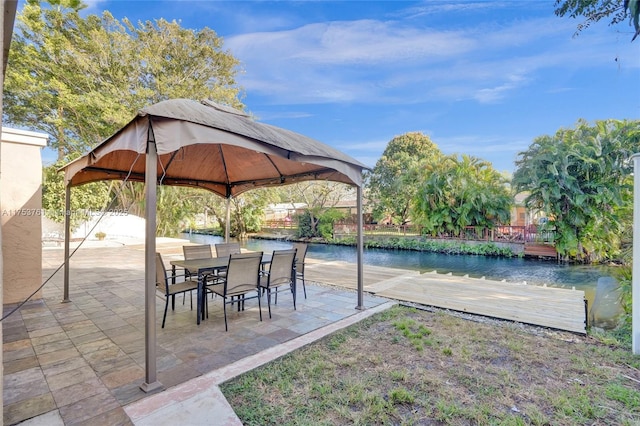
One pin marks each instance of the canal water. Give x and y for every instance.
(531, 271)
(600, 289)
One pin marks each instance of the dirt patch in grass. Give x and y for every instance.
(411, 366)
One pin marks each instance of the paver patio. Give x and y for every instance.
(86, 358)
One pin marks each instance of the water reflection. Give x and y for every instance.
(534, 272)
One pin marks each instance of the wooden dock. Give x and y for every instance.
(556, 308)
(540, 250)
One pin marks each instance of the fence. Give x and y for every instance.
(507, 233)
(393, 230)
(281, 224)
(503, 233)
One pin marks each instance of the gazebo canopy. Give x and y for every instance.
(205, 145)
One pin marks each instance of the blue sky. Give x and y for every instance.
(482, 78)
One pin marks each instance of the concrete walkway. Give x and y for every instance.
(557, 308)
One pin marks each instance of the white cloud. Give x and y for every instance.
(339, 61)
(273, 115)
(370, 42)
(485, 147)
(351, 42)
(494, 94)
(500, 151)
(372, 145)
(407, 61)
(429, 7)
(94, 6)
(438, 50)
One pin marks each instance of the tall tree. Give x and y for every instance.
(247, 211)
(393, 182)
(581, 179)
(595, 10)
(320, 197)
(92, 199)
(456, 193)
(80, 79)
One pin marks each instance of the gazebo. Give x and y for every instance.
(204, 145)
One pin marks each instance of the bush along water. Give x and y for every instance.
(447, 247)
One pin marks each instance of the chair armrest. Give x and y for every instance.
(171, 277)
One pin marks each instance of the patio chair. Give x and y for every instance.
(200, 251)
(164, 284)
(225, 249)
(241, 278)
(281, 273)
(300, 255)
(190, 252)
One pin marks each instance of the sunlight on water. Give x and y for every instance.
(534, 272)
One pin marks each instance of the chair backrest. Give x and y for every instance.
(243, 273)
(281, 267)
(225, 249)
(300, 255)
(200, 251)
(162, 282)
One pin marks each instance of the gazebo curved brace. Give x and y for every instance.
(223, 189)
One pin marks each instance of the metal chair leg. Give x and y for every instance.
(224, 305)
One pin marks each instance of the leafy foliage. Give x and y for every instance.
(320, 197)
(247, 211)
(581, 179)
(454, 194)
(624, 275)
(176, 207)
(433, 246)
(80, 79)
(327, 219)
(318, 225)
(393, 182)
(94, 198)
(595, 10)
(305, 226)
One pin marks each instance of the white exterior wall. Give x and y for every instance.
(21, 210)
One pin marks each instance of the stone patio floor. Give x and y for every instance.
(83, 361)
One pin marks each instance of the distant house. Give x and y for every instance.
(281, 211)
(350, 208)
(520, 215)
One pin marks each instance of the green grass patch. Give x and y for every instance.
(407, 366)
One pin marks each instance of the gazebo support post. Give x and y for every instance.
(151, 382)
(67, 239)
(360, 257)
(227, 220)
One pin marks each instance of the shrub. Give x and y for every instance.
(448, 247)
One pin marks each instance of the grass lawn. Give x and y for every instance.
(408, 366)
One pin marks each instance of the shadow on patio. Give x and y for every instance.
(86, 358)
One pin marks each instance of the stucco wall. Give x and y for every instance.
(21, 209)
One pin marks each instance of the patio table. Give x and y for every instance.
(204, 267)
